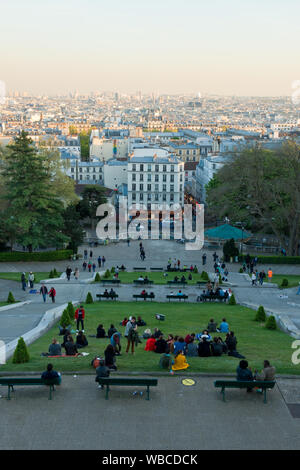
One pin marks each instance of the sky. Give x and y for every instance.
(224, 47)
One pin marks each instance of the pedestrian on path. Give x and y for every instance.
(91, 254)
(94, 267)
(68, 272)
(85, 254)
(103, 261)
(23, 281)
(253, 279)
(90, 266)
(203, 259)
(52, 294)
(84, 265)
(31, 279)
(298, 291)
(76, 274)
(270, 275)
(99, 261)
(44, 292)
(128, 241)
(261, 277)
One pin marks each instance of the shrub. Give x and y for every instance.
(10, 298)
(51, 274)
(55, 273)
(241, 271)
(232, 300)
(112, 270)
(21, 353)
(230, 250)
(271, 323)
(97, 278)
(65, 319)
(107, 274)
(269, 260)
(205, 276)
(284, 282)
(35, 256)
(195, 270)
(89, 298)
(261, 314)
(71, 311)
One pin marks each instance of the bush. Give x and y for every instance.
(241, 271)
(51, 274)
(65, 319)
(269, 260)
(261, 314)
(35, 256)
(97, 278)
(107, 274)
(284, 282)
(112, 270)
(71, 311)
(89, 299)
(21, 353)
(230, 250)
(271, 323)
(55, 273)
(232, 300)
(10, 298)
(195, 270)
(205, 276)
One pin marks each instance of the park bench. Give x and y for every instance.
(110, 281)
(140, 269)
(223, 384)
(139, 282)
(12, 382)
(177, 297)
(213, 298)
(176, 283)
(111, 297)
(156, 269)
(126, 382)
(144, 297)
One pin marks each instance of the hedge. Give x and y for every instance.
(273, 259)
(35, 256)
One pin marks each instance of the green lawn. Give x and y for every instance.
(293, 279)
(157, 277)
(17, 276)
(254, 340)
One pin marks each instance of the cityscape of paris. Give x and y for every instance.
(149, 230)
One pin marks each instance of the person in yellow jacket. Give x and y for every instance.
(180, 362)
(270, 275)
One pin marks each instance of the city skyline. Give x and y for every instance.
(232, 49)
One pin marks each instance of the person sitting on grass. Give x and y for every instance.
(110, 360)
(204, 348)
(147, 333)
(51, 374)
(111, 331)
(192, 349)
(65, 338)
(102, 371)
(216, 347)
(212, 326)
(189, 338)
(161, 345)
(150, 344)
(157, 333)
(180, 362)
(179, 345)
(64, 329)
(224, 327)
(70, 347)
(81, 341)
(244, 373)
(124, 322)
(100, 332)
(165, 361)
(190, 277)
(205, 335)
(231, 341)
(140, 322)
(115, 340)
(54, 348)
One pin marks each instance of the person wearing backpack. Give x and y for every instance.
(131, 334)
(79, 317)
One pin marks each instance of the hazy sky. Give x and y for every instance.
(245, 47)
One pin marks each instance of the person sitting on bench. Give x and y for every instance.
(141, 278)
(102, 371)
(244, 373)
(54, 348)
(122, 268)
(112, 293)
(144, 293)
(105, 293)
(180, 293)
(146, 279)
(100, 332)
(50, 374)
(268, 373)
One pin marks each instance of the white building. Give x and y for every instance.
(155, 179)
(205, 171)
(115, 173)
(105, 149)
(86, 172)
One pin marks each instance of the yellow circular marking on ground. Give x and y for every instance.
(188, 382)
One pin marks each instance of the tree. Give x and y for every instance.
(261, 314)
(21, 353)
(89, 298)
(271, 323)
(34, 207)
(85, 146)
(232, 300)
(230, 250)
(65, 319)
(10, 298)
(261, 188)
(92, 197)
(72, 227)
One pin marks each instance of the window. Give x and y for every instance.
(164, 197)
(156, 168)
(80, 177)
(172, 168)
(156, 197)
(172, 187)
(164, 187)
(141, 187)
(171, 197)
(141, 196)
(172, 179)
(148, 177)
(156, 178)
(149, 167)
(134, 177)
(94, 177)
(141, 167)
(149, 187)
(164, 167)
(187, 152)
(72, 170)
(164, 178)
(87, 170)
(133, 196)
(94, 170)
(133, 167)
(149, 197)
(156, 187)
(141, 177)
(133, 187)
(80, 170)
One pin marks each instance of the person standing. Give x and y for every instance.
(31, 279)
(128, 241)
(90, 266)
(91, 254)
(253, 279)
(68, 272)
(52, 294)
(203, 259)
(76, 274)
(79, 317)
(85, 254)
(84, 265)
(103, 261)
(44, 292)
(270, 275)
(23, 281)
(99, 261)
(131, 334)
(94, 267)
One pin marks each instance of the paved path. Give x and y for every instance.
(176, 417)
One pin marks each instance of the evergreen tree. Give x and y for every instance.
(232, 300)
(71, 311)
(65, 319)
(72, 227)
(261, 314)
(10, 298)
(89, 298)
(271, 323)
(21, 353)
(205, 276)
(97, 278)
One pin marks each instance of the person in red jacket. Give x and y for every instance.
(79, 317)
(52, 294)
(150, 344)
